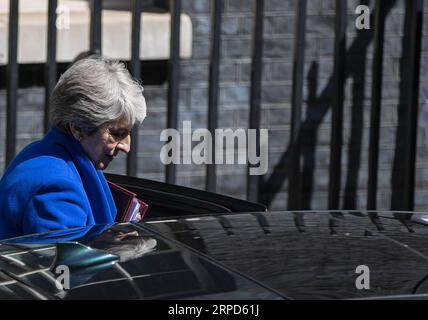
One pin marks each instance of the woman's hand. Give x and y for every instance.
(112, 237)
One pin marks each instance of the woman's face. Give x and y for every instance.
(106, 143)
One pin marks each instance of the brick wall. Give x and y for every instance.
(276, 96)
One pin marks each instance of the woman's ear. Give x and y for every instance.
(76, 132)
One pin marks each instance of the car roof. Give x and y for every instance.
(272, 255)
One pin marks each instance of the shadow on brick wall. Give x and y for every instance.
(318, 107)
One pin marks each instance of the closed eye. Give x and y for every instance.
(119, 134)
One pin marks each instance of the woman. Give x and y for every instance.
(57, 183)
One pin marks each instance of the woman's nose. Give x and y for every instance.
(124, 145)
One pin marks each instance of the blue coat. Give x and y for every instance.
(53, 185)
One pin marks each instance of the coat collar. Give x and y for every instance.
(94, 182)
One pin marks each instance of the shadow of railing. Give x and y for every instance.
(317, 108)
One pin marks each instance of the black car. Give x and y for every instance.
(198, 245)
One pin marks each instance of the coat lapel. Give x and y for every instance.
(94, 182)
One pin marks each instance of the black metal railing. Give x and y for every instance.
(12, 82)
(131, 165)
(51, 67)
(258, 188)
(95, 45)
(337, 106)
(214, 76)
(253, 182)
(294, 180)
(416, 13)
(173, 78)
(379, 38)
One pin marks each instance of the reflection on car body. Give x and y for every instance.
(258, 255)
(161, 269)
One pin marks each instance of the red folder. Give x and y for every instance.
(127, 204)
